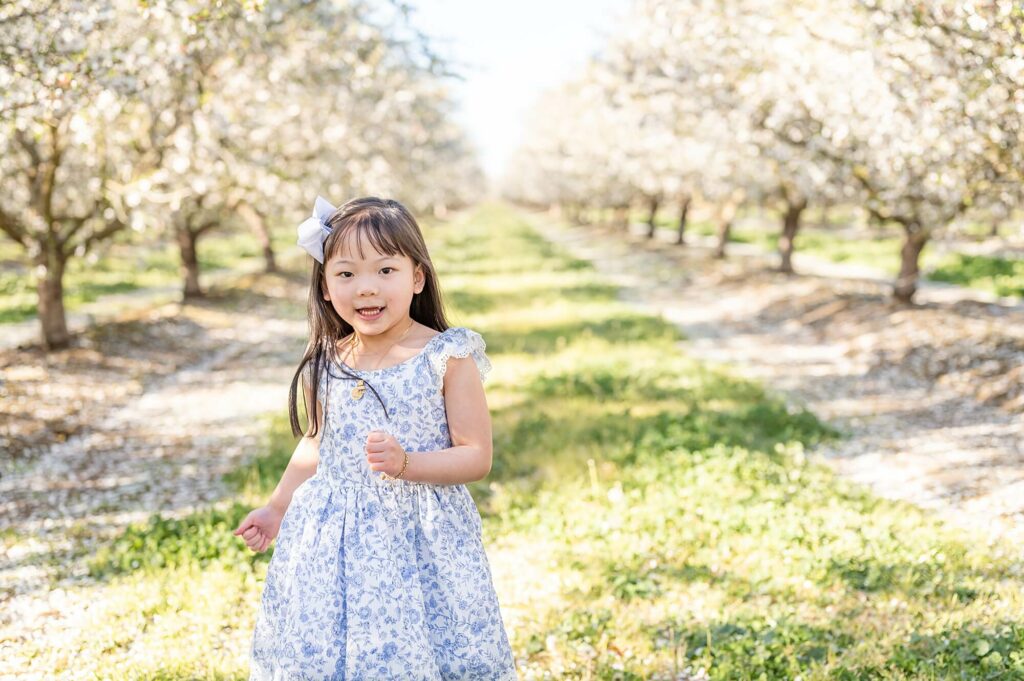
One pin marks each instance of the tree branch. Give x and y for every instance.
(95, 237)
(205, 227)
(10, 226)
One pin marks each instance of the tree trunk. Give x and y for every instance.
(50, 298)
(725, 217)
(651, 227)
(790, 226)
(255, 220)
(914, 241)
(622, 217)
(724, 226)
(189, 262)
(684, 209)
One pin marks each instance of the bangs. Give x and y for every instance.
(368, 225)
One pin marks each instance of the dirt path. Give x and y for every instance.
(154, 407)
(933, 396)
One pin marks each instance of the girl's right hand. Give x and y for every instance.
(260, 527)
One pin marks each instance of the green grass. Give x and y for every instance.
(123, 266)
(644, 513)
(999, 275)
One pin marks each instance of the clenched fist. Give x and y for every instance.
(383, 453)
(260, 527)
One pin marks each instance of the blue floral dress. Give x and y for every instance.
(382, 579)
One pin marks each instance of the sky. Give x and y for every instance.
(509, 52)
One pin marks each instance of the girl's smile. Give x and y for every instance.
(370, 313)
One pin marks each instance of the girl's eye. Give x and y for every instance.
(345, 275)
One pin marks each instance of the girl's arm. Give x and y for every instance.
(261, 526)
(469, 424)
(303, 463)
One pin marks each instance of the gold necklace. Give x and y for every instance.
(360, 387)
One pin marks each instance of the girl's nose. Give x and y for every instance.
(367, 288)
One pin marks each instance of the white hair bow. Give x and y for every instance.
(314, 230)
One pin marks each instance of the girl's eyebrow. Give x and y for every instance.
(386, 257)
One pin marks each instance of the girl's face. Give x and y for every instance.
(374, 293)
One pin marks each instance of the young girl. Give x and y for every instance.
(379, 570)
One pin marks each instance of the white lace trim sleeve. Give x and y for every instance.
(463, 343)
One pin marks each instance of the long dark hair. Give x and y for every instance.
(391, 230)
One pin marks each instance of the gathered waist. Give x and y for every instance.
(336, 482)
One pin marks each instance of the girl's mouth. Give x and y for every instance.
(370, 313)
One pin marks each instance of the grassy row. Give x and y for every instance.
(644, 514)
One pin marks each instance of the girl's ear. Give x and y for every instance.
(419, 280)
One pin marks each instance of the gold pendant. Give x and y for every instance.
(358, 391)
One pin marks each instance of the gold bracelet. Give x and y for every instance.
(385, 476)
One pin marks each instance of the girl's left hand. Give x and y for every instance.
(383, 453)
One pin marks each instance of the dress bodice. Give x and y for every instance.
(411, 406)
